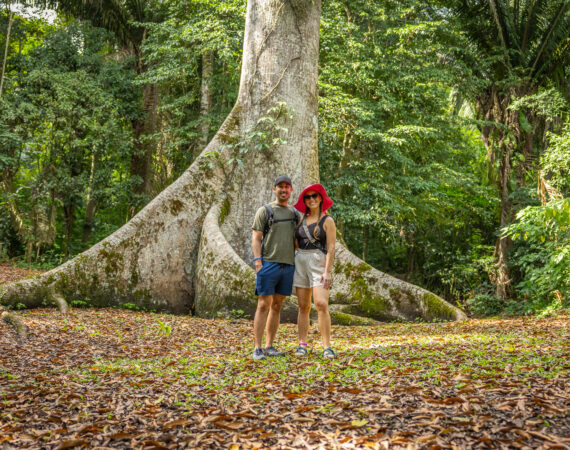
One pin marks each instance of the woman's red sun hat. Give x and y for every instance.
(327, 202)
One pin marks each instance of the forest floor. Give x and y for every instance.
(103, 378)
(9, 272)
(117, 378)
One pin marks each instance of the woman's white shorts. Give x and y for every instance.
(309, 268)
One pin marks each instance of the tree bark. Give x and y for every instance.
(141, 159)
(206, 98)
(509, 141)
(365, 241)
(10, 21)
(189, 248)
(91, 206)
(69, 216)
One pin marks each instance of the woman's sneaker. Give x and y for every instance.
(258, 354)
(272, 351)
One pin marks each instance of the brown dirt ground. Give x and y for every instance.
(9, 273)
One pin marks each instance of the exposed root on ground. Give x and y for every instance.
(16, 323)
(60, 302)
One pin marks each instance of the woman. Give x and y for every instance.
(315, 238)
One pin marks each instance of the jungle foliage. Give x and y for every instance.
(434, 132)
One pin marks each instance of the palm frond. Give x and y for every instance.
(531, 37)
(556, 34)
(501, 32)
(114, 15)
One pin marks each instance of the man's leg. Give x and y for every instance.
(274, 318)
(263, 305)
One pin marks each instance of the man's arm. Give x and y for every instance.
(256, 238)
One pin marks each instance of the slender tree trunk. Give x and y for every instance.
(409, 240)
(343, 163)
(509, 143)
(69, 213)
(6, 47)
(91, 206)
(484, 104)
(206, 98)
(189, 248)
(503, 244)
(493, 106)
(142, 157)
(365, 241)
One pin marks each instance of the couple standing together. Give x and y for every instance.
(293, 247)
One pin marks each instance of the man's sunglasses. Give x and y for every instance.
(309, 196)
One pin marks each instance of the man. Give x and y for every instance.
(273, 234)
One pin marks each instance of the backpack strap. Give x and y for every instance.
(268, 223)
(297, 216)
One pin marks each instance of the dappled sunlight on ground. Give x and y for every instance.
(127, 379)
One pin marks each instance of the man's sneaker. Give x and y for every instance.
(272, 351)
(258, 354)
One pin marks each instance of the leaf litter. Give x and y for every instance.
(103, 378)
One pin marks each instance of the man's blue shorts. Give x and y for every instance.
(275, 278)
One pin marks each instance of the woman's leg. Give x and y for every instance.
(321, 296)
(304, 297)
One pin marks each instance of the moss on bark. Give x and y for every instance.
(436, 309)
(342, 318)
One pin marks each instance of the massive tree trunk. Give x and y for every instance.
(189, 249)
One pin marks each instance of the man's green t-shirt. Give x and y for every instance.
(279, 243)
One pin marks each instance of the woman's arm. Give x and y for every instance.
(330, 230)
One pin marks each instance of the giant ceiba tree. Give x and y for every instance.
(188, 249)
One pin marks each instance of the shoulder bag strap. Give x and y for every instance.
(268, 223)
(312, 238)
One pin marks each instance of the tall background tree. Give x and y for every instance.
(516, 49)
(403, 164)
(64, 137)
(126, 20)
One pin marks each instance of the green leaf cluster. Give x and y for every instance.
(65, 137)
(404, 170)
(541, 255)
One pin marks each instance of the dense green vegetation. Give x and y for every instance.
(435, 129)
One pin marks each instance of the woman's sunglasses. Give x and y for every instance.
(309, 196)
